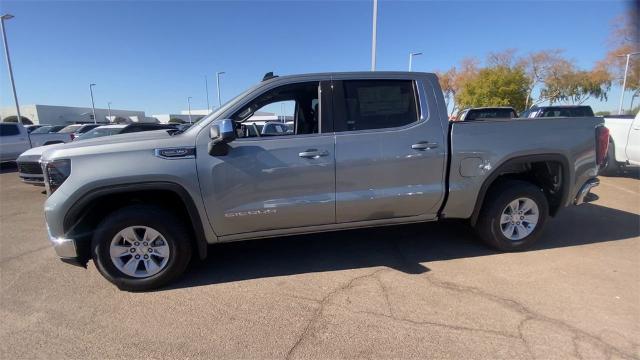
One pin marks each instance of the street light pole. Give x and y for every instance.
(189, 101)
(374, 35)
(93, 106)
(218, 87)
(206, 86)
(109, 106)
(624, 80)
(6, 52)
(411, 55)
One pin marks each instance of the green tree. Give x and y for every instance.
(495, 86)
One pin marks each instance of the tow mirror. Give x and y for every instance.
(221, 134)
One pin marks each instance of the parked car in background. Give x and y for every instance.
(76, 130)
(48, 129)
(30, 171)
(148, 127)
(274, 128)
(378, 149)
(32, 127)
(558, 111)
(624, 143)
(100, 131)
(483, 113)
(14, 140)
(108, 130)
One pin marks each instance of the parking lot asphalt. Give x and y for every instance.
(418, 291)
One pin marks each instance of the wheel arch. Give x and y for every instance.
(521, 165)
(84, 214)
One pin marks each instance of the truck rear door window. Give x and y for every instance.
(375, 104)
(9, 130)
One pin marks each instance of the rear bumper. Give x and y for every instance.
(585, 189)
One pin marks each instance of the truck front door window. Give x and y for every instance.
(9, 130)
(286, 110)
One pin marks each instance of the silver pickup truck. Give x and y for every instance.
(367, 149)
(14, 140)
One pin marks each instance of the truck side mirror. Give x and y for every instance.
(221, 134)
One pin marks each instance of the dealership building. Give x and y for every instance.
(62, 115)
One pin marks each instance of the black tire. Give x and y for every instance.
(500, 195)
(612, 167)
(167, 224)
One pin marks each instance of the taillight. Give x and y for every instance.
(602, 144)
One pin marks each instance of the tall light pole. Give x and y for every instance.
(411, 55)
(189, 101)
(206, 87)
(624, 79)
(6, 52)
(93, 106)
(218, 86)
(109, 106)
(374, 35)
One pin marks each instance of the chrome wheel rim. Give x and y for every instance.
(519, 218)
(139, 251)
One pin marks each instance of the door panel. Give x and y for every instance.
(266, 184)
(13, 145)
(273, 182)
(389, 173)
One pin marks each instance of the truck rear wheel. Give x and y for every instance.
(141, 248)
(512, 216)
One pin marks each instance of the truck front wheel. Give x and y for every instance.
(512, 216)
(141, 248)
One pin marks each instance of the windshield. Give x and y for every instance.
(70, 129)
(42, 130)
(220, 110)
(99, 132)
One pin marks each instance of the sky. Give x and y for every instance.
(153, 55)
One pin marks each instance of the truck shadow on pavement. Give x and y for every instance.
(406, 248)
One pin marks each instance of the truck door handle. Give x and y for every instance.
(313, 153)
(424, 145)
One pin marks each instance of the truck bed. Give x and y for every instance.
(479, 150)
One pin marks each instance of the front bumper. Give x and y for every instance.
(30, 171)
(585, 189)
(65, 248)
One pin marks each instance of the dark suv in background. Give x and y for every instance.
(483, 113)
(558, 111)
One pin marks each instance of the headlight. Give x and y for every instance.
(55, 173)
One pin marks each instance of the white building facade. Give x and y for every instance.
(63, 115)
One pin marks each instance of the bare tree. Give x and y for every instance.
(505, 58)
(537, 66)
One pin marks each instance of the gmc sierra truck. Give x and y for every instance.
(367, 149)
(15, 139)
